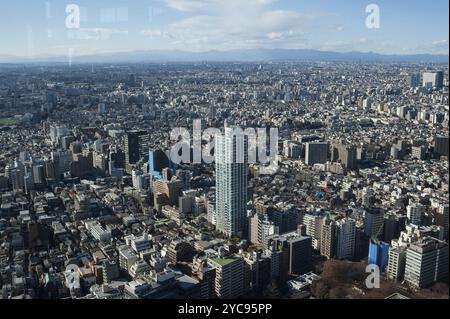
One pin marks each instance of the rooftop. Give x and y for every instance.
(224, 261)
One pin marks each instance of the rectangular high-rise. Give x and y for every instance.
(396, 264)
(136, 146)
(433, 79)
(157, 161)
(346, 237)
(378, 254)
(415, 212)
(316, 153)
(414, 80)
(426, 262)
(328, 239)
(441, 146)
(345, 154)
(373, 222)
(231, 157)
(229, 281)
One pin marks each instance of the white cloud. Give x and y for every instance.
(435, 47)
(155, 33)
(247, 28)
(196, 5)
(284, 35)
(440, 42)
(231, 24)
(186, 5)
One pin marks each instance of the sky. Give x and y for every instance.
(35, 28)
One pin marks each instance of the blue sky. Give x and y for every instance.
(37, 27)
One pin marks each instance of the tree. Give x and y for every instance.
(272, 291)
(319, 289)
(339, 292)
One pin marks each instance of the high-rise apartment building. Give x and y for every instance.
(396, 264)
(261, 228)
(313, 223)
(328, 239)
(229, 281)
(231, 157)
(346, 236)
(414, 212)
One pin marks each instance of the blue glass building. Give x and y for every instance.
(157, 161)
(378, 254)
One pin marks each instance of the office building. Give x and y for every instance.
(292, 149)
(441, 218)
(441, 146)
(413, 80)
(345, 154)
(256, 272)
(393, 225)
(426, 262)
(316, 153)
(373, 222)
(285, 219)
(158, 160)
(136, 146)
(180, 251)
(378, 254)
(433, 80)
(296, 251)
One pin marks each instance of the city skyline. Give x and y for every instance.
(259, 150)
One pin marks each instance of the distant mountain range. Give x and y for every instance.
(245, 55)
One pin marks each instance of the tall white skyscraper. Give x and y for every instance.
(231, 158)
